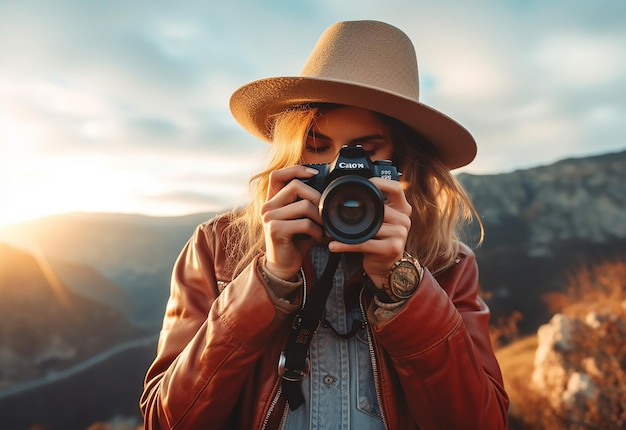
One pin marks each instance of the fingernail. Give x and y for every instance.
(311, 171)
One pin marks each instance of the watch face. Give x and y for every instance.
(404, 279)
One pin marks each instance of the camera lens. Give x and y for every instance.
(352, 209)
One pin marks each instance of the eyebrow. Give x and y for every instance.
(354, 141)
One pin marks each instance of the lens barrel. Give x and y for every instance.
(352, 209)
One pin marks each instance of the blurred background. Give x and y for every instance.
(116, 141)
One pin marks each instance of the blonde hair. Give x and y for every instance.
(441, 207)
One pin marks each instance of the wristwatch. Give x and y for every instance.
(400, 282)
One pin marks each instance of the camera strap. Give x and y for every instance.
(294, 363)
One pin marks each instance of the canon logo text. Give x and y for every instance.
(344, 165)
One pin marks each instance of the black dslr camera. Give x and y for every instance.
(351, 206)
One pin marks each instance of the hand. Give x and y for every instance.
(291, 208)
(387, 246)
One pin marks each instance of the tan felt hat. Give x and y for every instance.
(368, 64)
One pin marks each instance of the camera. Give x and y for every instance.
(352, 207)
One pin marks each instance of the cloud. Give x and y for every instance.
(186, 202)
(535, 82)
(578, 60)
(138, 91)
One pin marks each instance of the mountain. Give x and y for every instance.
(69, 356)
(134, 252)
(88, 282)
(575, 199)
(542, 224)
(44, 326)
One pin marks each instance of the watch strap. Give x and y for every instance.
(380, 293)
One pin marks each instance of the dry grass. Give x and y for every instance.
(517, 359)
(599, 292)
(528, 408)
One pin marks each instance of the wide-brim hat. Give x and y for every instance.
(367, 64)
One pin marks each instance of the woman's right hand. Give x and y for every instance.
(290, 209)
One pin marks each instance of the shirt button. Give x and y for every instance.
(329, 379)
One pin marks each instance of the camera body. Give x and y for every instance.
(351, 206)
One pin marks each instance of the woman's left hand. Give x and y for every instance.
(387, 246)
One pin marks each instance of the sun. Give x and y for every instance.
(30, 191)
(35, 186)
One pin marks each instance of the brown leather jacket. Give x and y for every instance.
(219, 347)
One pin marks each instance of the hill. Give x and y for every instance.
(134, 252)
(46, 327)
(542, 224)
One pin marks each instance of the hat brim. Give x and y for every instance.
(253, 104)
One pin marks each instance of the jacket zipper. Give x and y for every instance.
(370, 343)
(270, 411)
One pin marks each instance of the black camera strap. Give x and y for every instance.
(294, 363)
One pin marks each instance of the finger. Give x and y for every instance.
(296, 210)
(293, 192)
(283, 231)
(388, 247)
(394, 192)
(389, 241)
(278, 179)
(396, 217)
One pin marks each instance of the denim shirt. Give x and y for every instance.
(339, 391)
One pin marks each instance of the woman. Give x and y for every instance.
(403, 338)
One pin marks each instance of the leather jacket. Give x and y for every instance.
(216, 363)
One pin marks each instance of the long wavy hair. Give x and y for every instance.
(441, 207)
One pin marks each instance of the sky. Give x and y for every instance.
(122, 106)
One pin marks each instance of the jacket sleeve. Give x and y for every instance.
(209, 341)
(439, 346)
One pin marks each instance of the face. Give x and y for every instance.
(346, 125)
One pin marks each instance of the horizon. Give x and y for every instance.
(123, 107)
(226, 209)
